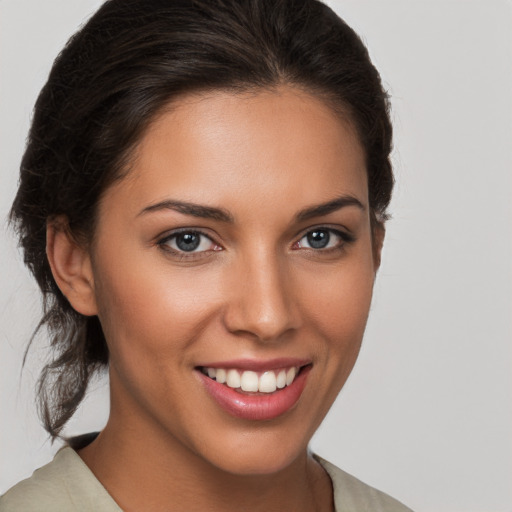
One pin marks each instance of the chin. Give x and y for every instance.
(259, 463)
(263, 450)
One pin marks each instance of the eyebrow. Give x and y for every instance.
(196, 210)
(329, 207)
(209, 212)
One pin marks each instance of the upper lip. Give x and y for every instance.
(258, 364)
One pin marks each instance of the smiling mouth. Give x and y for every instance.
(248, 381)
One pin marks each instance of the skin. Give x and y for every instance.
(255, 290)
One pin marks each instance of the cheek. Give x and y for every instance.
(147, 311)
(338, 313)
(341, 301)
(150, 320)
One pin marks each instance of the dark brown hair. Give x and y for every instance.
(131, 59)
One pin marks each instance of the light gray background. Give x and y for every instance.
(427, 413)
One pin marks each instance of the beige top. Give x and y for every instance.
(66, 484)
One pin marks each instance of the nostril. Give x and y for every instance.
(266, 326)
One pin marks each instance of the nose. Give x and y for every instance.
(262, 303)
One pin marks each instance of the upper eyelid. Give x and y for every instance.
(170, 234)
(334, 229)
(337, 232)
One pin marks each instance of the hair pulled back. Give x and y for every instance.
(131, 59)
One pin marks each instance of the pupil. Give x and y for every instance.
(318, 239)
(188, 241)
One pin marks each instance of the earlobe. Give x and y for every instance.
(71, 266)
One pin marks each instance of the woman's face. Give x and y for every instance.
(239, 246)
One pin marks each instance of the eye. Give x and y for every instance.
(188, 242)
(322, 238)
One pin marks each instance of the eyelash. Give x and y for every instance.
(344, 238)
(163, 243)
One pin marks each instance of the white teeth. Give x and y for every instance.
(281, 379)
(233, 379)
(221, 375)
(249, 381)
(267, 382)
(252, 382)
(290, 375)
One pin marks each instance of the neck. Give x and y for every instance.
(153, 471)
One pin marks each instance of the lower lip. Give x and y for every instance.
(256, 407)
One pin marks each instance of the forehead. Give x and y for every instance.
(222, 147)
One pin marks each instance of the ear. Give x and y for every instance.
(71, 266)
(379, 232)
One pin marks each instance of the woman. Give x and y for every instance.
(202, 202)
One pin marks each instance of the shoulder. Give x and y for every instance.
(65, 484)
(352, 494)
(46, 488)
